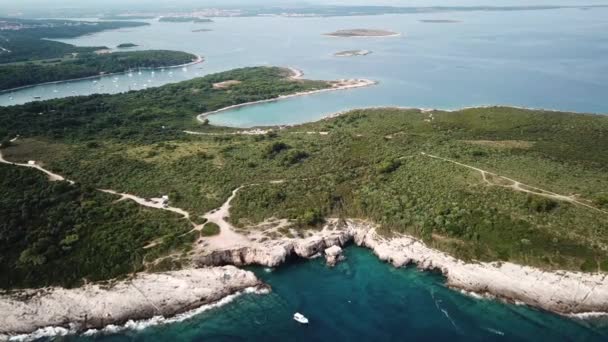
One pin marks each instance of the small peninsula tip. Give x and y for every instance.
(352, 53)
(362, 33)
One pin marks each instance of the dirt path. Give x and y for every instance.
(152, 203)
(517, 185)
(53, 177)
(227, 237)
(246, 132)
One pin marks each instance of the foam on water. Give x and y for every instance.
(51, 332)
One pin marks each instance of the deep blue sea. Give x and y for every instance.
(363, 299)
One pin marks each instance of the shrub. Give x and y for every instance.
(275, 148)
(389, 166)
(541, 204)
(312, 217)
(210, 229)
(294, 156)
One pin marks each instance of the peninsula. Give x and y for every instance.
(13, 76)
(466, 192)
(362, 33)
(126, 45)
(352, 53)
(196, 20)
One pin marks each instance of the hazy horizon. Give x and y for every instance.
(122, 5)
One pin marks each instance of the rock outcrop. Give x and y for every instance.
(558, 291)
(144, 296)
(275, 252)
(333, 254)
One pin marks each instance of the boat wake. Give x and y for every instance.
(444, 311)
(494, 331)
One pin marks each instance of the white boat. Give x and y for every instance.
(298, 317)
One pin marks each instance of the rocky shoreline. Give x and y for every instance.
(562, 292)
(171, 293)
(95, 306)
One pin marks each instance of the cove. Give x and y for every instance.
(364, 299)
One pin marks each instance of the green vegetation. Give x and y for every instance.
(28, 43)
(210, 229)
(184, 20)
(128, 17)
(152, 115)
(53, 233)
(369, 165)
(88, 64)
(126, 45)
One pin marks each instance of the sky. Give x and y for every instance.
(25, 5)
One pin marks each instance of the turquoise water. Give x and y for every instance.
(367, 300)
(550, 59)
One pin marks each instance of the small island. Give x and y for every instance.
(184, 20)
(126, 45)
(202, 30)
(440, 21)
(352, 53)
(363, 33)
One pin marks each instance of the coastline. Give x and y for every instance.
(96, 306)
(296, 74)
(199, 59)
(571, 294)
(153, 298)
(563, 292)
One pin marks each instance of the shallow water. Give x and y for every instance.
(363, 299)
(550, 59)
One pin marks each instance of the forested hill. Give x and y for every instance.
(150, 114)
(85, 65)
(24, 40)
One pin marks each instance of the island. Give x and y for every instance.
(184, 20)
(362, 33)
(352, 53)
(505, 202)
(202, 30)
(126, 45)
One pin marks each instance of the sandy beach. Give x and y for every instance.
(295, 75)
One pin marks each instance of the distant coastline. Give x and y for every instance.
(199, 59)
(440, 21)
(352, 53)
(362, 33)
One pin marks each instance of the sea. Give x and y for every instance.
(361, 299)
(554, 59)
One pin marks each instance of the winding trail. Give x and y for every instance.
(53, 177)
(517, 185)
(227, 237)
(152, 203)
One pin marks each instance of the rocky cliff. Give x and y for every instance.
(560, 291)
(144, 296)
